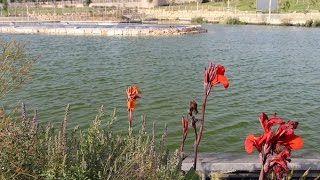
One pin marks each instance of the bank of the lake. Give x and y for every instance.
(222, 16)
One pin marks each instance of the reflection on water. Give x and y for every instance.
(271, 69)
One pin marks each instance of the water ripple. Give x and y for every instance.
(271, 69)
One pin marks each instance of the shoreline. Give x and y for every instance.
(222, 16)
(97, 28)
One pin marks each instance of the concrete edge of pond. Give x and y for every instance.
(246, 166)
(19, 28)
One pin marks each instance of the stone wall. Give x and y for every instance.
(218, 16)
(239, 166)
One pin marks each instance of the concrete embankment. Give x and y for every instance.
(237, 166)
(69, 29)
(220, 16)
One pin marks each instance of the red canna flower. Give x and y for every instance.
(220, 77)
(279, 142)
(257, 142)
(285, 136)
(250, 142)
(214, 74)
(266, 124)
(132, 96)
(291, 141)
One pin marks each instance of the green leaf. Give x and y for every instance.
(304, 175)
(192, 175)
(289, 176)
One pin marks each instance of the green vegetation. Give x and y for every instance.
(15, 66)
(316, 23)
(308, 23)
(233, 21)
(30, 151)
(197, 20)
(250, 6)
(285, 6)
(217, 5)
(286, 22)
(5, 4)
(312, 23)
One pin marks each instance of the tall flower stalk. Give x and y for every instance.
(24, 114)
(132, 96)
(274, 147)
(213, 74)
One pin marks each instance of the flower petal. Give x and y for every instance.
(224, 81)
(249, 143)
(293, 141)
(264, 121)
(275, 120)
(220, 77)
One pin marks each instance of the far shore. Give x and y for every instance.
(161, 15)
(100, 28)
(242, 16)
(166, 16)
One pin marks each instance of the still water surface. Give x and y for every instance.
(271, 69)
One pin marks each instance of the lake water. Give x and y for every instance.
(270, 69)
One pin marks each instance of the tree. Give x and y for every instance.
(5, 4)
(15, 66)
(285, 6)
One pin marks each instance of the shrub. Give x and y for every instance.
(285, 6)
(197, 20)
(233, 21)
(309, 23)
(29, 151)
(316, 23)
(286, 22)
(312, 23)
(5, 5)
(15, 66)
